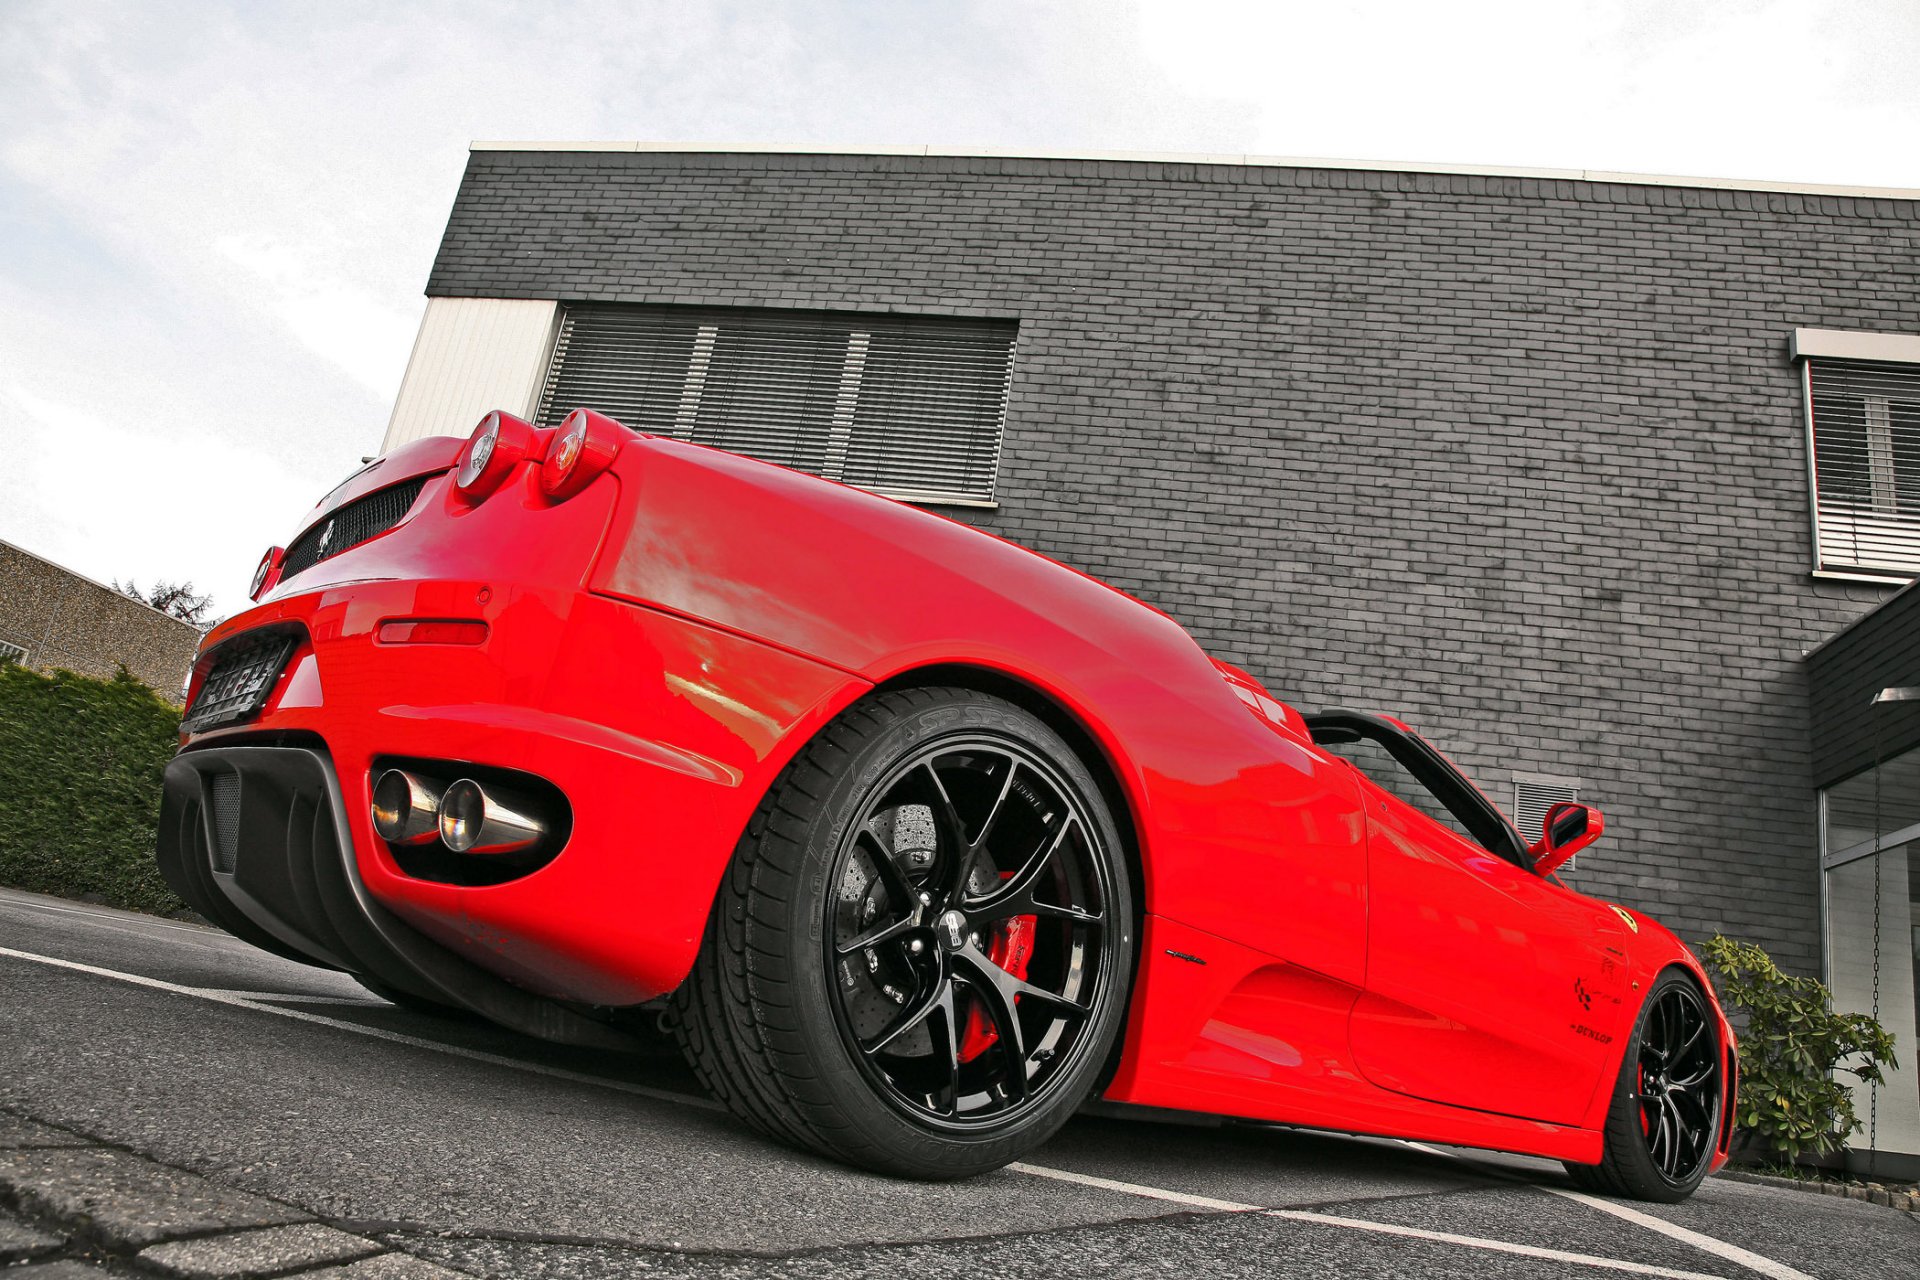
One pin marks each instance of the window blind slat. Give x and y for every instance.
(1866, 454)
(911, 406)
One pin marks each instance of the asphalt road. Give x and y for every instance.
(126, 1040)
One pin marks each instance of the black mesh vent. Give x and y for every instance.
(226, 821)
(351, 525)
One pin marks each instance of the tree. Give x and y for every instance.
(177, 599)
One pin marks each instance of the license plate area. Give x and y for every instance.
(240, 680)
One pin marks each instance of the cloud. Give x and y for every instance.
(144, 487)
(1767, 89)
(216, 219)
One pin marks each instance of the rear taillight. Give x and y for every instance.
(491, 453)
(264, 576)
(584, 445)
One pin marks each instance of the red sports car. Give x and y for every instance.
(919, 840)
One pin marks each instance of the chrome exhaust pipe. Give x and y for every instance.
(406, 807)
(475, 820)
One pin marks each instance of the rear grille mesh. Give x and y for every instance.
(351, 525)
(226, 821)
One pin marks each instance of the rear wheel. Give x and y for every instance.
(919, 959)
(1665, 1115)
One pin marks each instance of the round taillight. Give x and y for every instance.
(584, 445)
(264, 576)
(491, 453)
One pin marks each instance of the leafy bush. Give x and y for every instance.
(80, 767)
(1792, 1045)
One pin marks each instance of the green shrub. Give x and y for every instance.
(1792, 1045)
(80, 767)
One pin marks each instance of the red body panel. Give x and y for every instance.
(661, 644)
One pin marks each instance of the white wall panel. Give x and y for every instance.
(470, 356)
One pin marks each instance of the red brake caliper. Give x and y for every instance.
(1011, 948)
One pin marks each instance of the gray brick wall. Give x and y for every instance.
(1522, 460)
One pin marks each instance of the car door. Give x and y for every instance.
(1481, 975)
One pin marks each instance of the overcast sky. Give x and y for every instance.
(216, 219)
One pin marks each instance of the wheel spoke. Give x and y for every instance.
(1662, 1150)
(993, 814)
(1691, 1038)
(1015, 897)
(880, 933)
(899, 888)
(1010, 1041)
(1004, 984)
(1699, 1076)
(951, 830)
(937, 996)
(1681, 1135)
(944, 1031)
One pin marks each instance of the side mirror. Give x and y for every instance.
(1569, 828)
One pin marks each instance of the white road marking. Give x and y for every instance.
(1355, 1224)
(117, 920)
(369, 1000)
(1494, 1246)
(1719, 1248)
(1135, 1189)
(392, 1037)
(1705, 1243)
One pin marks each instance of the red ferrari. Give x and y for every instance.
(919, 841)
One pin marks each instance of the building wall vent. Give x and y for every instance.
(1533, 795)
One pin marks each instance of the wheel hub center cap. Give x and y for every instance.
(952, 930)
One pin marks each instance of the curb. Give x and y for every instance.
(1872, 1193)
(96, 1209)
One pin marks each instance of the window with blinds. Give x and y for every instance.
(908, 406)
(1865, 420)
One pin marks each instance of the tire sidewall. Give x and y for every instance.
(797, 943)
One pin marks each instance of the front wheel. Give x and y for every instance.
(1665, 1115)
(919, 959)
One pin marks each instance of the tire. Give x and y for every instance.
(919, 959)
(1664, 1121)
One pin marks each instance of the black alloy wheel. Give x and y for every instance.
(920, 956)
(967, 931)
(1679, 1087)
(1665, 1117)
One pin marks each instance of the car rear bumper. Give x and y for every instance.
(661, 733)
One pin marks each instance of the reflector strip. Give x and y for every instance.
(432, 631)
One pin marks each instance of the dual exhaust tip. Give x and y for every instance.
(409, 809)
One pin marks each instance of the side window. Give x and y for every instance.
(1387, 773)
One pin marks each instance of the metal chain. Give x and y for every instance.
(1879, 826)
